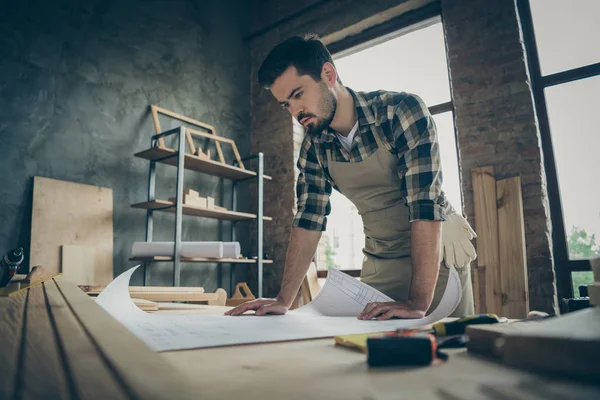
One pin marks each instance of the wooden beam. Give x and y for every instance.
(144, 372)
(153, 109)
(487, 288)
(11, 330)
(513, 258)
(92, 377)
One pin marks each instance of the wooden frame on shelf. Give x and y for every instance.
(211, 134)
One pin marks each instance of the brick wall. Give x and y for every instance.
(495, 118)
(495, 121)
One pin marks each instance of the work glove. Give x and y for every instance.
(457, 249)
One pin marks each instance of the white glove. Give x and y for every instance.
(457, 249)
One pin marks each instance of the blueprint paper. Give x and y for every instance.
(332, 313)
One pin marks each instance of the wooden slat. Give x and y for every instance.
(42, 374)
(202, 260)
(190, 142)
(11, 328)
(487, 288)
(144, 372)
(513, 258)
(19, 284)
(91, 376)
(199, 164)
(161, 141)
(133, 290)
(197, 211)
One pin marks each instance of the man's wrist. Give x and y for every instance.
(282, 298)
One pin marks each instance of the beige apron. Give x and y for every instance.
(373, 186)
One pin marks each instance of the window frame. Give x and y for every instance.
(563, 265)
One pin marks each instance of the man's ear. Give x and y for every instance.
(329, 74)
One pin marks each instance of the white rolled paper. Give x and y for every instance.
(188, 249)
(231, 250)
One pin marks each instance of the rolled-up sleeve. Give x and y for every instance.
(312, 191)
(415, 139)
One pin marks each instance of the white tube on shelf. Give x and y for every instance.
(231, 250)
(188, 249)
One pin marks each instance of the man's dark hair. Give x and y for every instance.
(307, 53)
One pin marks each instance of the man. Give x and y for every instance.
(380, 150)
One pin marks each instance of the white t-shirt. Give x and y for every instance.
(346, 141)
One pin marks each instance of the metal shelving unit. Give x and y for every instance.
(182, 161)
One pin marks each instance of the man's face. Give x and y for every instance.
(311, 103)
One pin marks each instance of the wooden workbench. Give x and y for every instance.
(56, 343)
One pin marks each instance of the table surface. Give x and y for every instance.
(319, 369)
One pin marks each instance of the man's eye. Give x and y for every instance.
(298, 95)
(285, 105)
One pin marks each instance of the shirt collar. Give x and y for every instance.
(363, 112)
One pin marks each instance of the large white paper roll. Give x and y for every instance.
(231, 250)
(188, 249)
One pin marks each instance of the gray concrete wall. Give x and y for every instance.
(76, 80)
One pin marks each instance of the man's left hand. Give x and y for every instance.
(386, 310)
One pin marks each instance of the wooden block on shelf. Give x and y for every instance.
(210, 202)
(189, 200)
(191, 193)
(219, 208)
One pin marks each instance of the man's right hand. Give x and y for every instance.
(262, 307)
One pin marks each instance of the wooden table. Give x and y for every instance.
(58, 344)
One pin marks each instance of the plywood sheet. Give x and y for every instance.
(67, 213)
(78, 264)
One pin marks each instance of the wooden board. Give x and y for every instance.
(11, 328)
(511, 246)
(199, 164)
(135, 290)
(78, 264)
(67, 213)
(487, 289)
(168, 206)
(19, 285)
(91, 377)
(142, 371)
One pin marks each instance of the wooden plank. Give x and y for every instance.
(91, 376)
(511, 246)
(78, 264)
(11, 328)
(19, 284)
(199, 164)
(202, 260)
(155, 119)
(190, 142)
(134, 290)
(67, 213)
(236, 153)
(487, 289)
(159, 205)
(42, 374)
(143, 372)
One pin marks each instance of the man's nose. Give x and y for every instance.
(296, 109)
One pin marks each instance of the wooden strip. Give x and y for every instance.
(161, 141)
(237, 155)
(11, 329)
(18, 285)
(180, 117)
(203, 260)
(190, 142)
(487, 290)
(43, 374)
(91, 376)
(513, 258)
(145, 373)
(95, 289)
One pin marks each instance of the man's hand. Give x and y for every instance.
(387, 310)
(262, 307)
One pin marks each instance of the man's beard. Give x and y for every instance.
(327, 106)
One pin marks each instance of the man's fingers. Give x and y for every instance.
(271, 309)
(242, 308)
(368, 309)
(379, 309)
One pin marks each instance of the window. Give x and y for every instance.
(413, 61)
(561, 40)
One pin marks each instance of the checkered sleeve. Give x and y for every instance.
(312, 190)
(415, 139)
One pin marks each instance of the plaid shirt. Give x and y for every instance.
(406, 128)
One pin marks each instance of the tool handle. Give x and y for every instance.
(401, 350)
(459, 326)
